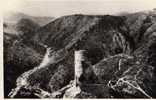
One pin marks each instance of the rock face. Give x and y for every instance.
(121, 51)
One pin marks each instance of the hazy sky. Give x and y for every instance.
(65, 7)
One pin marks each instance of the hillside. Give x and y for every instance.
(121, 50)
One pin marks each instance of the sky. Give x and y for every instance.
(56, 8)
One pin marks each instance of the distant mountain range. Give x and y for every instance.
(14, 17)
(11, 19)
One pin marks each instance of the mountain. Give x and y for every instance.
(10, 20)
(120, 49)
(14, 17)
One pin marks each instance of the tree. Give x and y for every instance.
(5, 25)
